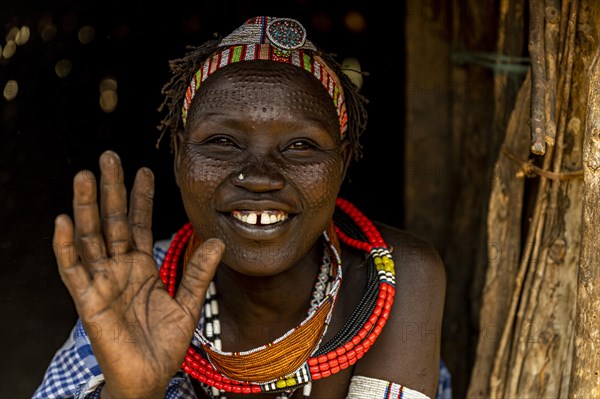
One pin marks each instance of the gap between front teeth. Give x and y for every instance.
(260, 217)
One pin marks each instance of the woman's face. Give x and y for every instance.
(261, 163)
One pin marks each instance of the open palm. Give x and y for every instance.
(139, 334)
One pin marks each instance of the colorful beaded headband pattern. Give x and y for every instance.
(273, 39)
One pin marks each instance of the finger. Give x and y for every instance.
(140, 211)
(72, 272)
(87, 218)
(198, 275)
(113, 204)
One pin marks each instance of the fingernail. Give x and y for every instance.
(148, 172)
(111, 156)
(58, 221)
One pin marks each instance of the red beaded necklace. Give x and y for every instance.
(318, 366)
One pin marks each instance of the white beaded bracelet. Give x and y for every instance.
(373, 388)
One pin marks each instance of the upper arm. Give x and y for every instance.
(408, 350)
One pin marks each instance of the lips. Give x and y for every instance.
(260, 217)
(263, 219)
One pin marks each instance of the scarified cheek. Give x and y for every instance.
(201, 176)
(198, 170)
(321, 181)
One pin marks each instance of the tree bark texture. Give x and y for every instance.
(504, 235)
(535, 351)
(513, 200)
(586, 357)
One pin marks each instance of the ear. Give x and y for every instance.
(346, 157)
(177, 143)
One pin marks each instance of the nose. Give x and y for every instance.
(258, 178)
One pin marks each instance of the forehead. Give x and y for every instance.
(265, 89)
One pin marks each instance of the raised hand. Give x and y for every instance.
(139, 334)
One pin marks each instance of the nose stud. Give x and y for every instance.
(241, 176)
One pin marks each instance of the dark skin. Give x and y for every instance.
(276, 125)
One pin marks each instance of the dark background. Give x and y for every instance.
(55, 127)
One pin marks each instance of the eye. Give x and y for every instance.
(301, 145)
(221, 141)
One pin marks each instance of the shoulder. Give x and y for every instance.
(407, 351)
(415, 259)
(420, 279)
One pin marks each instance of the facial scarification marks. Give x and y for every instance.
(247, 119)
(290, 89)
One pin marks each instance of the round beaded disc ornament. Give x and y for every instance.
(274, 39)
(286, 33)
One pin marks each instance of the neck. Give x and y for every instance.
(252, 301)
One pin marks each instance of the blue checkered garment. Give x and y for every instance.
(444, 390)
(74, 371)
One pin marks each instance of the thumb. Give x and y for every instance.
(198, 275)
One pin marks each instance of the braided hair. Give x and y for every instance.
(184, 68)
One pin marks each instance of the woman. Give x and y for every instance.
(263, 127)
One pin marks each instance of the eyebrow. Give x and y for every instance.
(239, 124)
(221, 118)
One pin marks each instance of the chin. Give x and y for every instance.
(258, 260)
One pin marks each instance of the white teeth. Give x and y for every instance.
(260, 217)
(265, 219)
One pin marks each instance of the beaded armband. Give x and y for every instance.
(374, 388)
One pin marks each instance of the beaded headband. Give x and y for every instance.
(273, 39)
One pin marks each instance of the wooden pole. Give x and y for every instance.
(585, 379)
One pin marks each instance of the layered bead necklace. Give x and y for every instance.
(297, 358)
(210, 322)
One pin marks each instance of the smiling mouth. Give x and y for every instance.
(260, 218)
